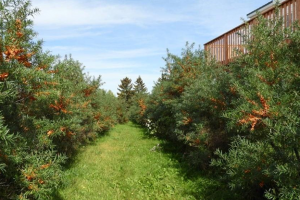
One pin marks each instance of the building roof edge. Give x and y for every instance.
(254, 11)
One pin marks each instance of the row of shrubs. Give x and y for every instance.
(241, 119)
(48, 108)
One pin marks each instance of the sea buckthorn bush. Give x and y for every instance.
(186, 104)
(240, 120)
(265, 159)
(48, 108)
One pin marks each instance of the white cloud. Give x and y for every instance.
(73, 26)
(66, 48)
(67, 35)
(76, 13)
(94, 65)
(99, 59)
(100, 55)
(135, 53)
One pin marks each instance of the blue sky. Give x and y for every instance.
(115, 38)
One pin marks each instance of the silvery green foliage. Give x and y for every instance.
(48, 107)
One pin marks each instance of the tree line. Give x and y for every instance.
(132, 96)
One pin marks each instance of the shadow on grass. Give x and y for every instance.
(57, 196)
(205, 183)
(200, 184)
(71, 161)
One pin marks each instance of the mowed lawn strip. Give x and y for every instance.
(122, 166)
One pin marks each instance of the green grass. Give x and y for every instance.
(120, 165)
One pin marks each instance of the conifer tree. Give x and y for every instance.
(138, 107)
(126, 91)
(139, 86)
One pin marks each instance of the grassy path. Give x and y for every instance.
(121, 166)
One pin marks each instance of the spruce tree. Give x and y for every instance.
(139, 86)
(138, 107)
(126, 91)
